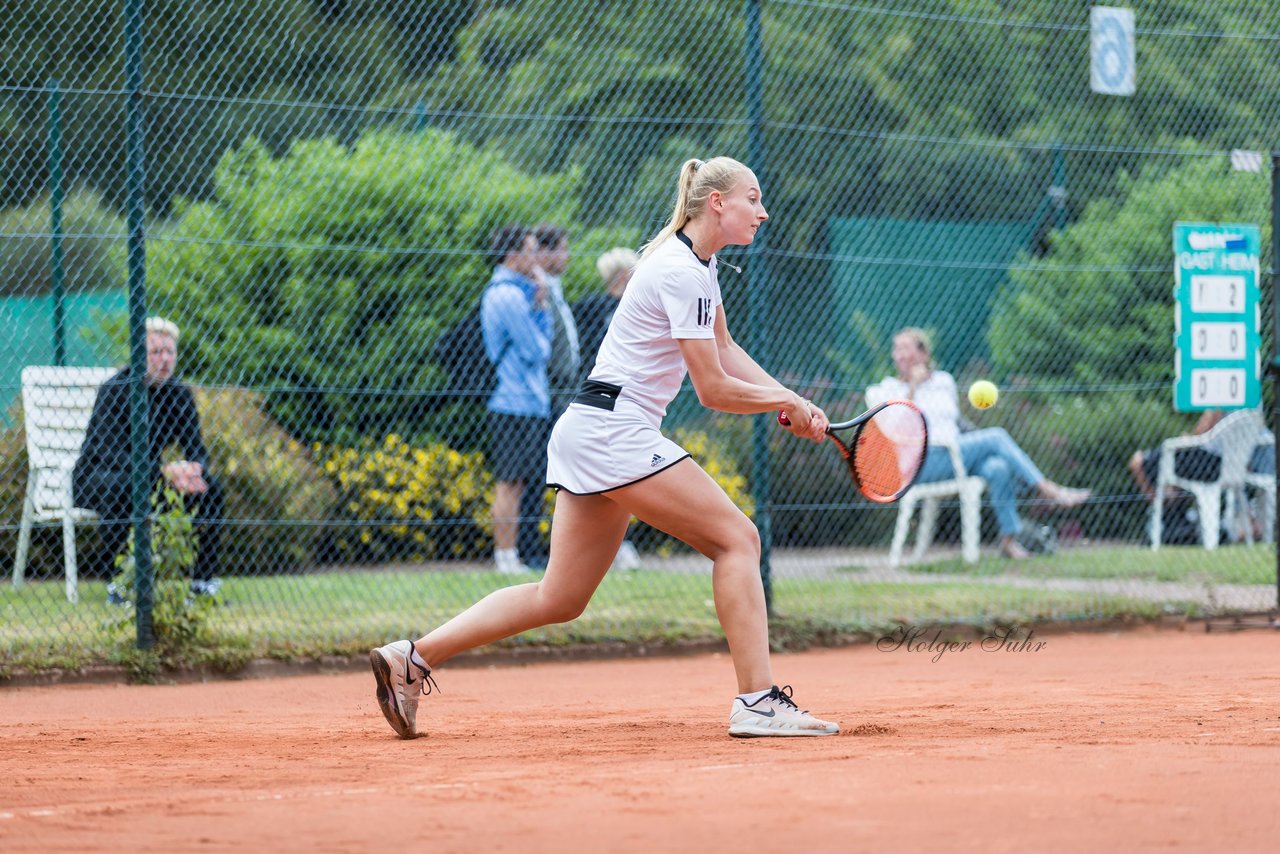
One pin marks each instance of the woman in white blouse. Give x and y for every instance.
(989, 453)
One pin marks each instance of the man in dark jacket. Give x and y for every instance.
(101, 480)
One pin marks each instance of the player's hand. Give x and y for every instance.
(187, 477)
(540, 290)
(818, 423)
(805, 420)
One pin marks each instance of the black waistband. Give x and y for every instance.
(598, 394)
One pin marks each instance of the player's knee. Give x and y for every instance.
(563, 609)
(746, 538)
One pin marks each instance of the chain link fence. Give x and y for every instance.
(321, 181)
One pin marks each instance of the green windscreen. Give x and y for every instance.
(940, 276)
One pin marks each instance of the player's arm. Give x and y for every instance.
(736, 361)
(718, 389)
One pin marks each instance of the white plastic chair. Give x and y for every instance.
(968, 488)
(1266, 486)
(56, 405)
(1236, 436)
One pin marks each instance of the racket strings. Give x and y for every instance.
(888, 452)
(877, 464)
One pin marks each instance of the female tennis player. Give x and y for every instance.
(609, 461)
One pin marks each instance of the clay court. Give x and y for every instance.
(1136, 741)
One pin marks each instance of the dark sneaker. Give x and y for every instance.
(208, 587)
(115, 596)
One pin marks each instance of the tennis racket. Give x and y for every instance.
(883, 447)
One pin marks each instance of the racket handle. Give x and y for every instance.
(783, 419)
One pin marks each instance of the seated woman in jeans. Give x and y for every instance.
(989, 453)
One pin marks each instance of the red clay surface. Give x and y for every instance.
(1140, 741)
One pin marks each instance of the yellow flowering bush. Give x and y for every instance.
(717, 462)
(410, 503)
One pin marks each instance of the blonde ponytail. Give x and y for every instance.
(697, 180)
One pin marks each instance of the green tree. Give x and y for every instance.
(215, 73)
(324, 277)
(955, 112)
(1099, 306)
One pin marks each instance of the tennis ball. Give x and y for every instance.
(983, 394)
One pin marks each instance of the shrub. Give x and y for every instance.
(96, 262)
(276, 496)
(1099, 307)
(265, 278)
(401, 502)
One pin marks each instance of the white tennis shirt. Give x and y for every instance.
(673, 294)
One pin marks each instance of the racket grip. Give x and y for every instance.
(783, 419)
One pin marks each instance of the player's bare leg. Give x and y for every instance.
(586, 531)
(585, 534)
(685, 502)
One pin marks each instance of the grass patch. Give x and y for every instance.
(1237, 564)
(308, 616)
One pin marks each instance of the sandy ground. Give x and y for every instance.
(1150, 740)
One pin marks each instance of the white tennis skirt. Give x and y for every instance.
(595, 450)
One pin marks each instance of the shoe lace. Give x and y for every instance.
(783, 695)
(428, 683)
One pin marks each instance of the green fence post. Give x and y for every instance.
(56, 271)
(1059, 189)
(758, 291)
(1275, 343)
(140, 433)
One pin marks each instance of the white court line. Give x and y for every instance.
(53, 812)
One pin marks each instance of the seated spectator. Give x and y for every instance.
(1202, 463)
(102, 478)
(988, 453)
(1198, 463)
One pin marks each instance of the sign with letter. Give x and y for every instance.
(1217, 320)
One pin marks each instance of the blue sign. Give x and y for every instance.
(1111, 52)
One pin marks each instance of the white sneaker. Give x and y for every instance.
(401, 683)
(627, 558)
(509, 563)
(775, 714)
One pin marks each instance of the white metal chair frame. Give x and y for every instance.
(968, 488)
(56, 405)
(1236, 435)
